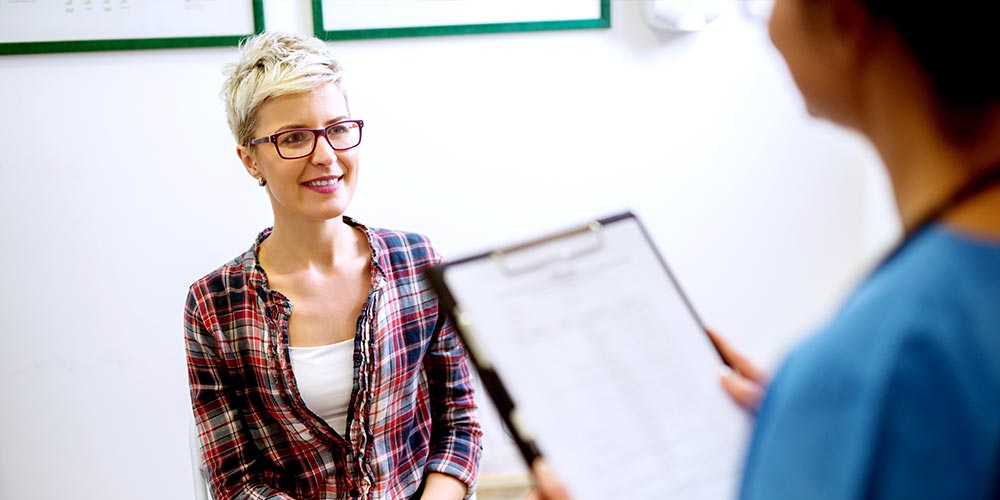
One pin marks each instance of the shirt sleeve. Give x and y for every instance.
(227, 453)
(456, 436)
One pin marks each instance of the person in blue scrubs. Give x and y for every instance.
(898, 397)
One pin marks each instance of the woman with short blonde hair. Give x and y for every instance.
(319, 363)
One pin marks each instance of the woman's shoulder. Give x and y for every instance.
(402, 251)
(393, 238)
(943, 286)
(389, 237)
(932, 307)
(396, 247)
(232, 276)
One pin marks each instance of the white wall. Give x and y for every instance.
(121, 188)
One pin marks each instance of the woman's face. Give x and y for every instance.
(317, 187)
(818, 54)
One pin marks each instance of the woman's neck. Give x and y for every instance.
(301, 244)
(926, 172)
(979, 216)
(926, 167)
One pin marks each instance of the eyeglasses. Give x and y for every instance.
(301, 142)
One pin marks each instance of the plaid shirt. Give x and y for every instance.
(411, 413)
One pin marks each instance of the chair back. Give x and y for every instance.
(200, 484)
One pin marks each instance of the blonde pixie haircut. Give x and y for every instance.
(273, 64)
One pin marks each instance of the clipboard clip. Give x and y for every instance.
(511, 264)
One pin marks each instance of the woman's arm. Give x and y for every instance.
(456, 437)
(443, 487)
(226, 449)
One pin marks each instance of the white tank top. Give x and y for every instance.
(325, 378)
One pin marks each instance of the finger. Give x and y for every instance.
(549, 487)
(736, 360)
(744, 392)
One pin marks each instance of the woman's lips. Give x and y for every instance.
(324, 185)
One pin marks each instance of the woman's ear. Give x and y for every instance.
(249, 162)
(853, 33)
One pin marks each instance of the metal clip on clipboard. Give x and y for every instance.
(511, 265)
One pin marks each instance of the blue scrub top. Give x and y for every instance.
(899, 397)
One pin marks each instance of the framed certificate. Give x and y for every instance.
(37, 26)
(352, 19)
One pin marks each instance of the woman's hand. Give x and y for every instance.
(547, 485)
(744, 382)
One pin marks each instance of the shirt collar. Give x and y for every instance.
(380, 253)
(257, 276)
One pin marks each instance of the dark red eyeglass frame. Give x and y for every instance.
(317, 132)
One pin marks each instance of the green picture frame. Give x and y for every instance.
(104, 44)
(321, 31)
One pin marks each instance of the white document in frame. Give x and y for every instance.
(608, 368)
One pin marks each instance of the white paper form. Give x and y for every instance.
(607, 367)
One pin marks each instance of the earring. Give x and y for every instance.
(261, 182)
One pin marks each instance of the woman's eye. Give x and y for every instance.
(295, 137)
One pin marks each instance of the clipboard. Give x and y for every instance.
(595, 359)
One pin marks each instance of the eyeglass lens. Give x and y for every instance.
(299, 143)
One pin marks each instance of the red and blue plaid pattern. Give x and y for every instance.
(412, 409)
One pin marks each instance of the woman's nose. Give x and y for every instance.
(324, 152)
